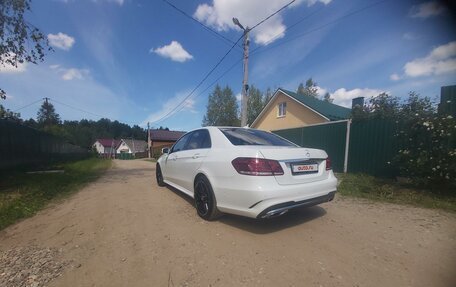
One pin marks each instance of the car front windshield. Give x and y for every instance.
(242, 136)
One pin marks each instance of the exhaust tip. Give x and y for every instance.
(275, 213)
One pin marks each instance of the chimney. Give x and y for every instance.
(359, 101)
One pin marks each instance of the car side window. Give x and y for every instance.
(199, 139)
(180, 144)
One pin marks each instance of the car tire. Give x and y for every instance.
(205, 202)
(159, 176)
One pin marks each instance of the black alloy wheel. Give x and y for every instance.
(205, 203)
(159, 176)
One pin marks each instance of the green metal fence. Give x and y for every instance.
(371, 144)
(329, 137)
(24, 146)
(372, 147)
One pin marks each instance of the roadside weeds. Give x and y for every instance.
(22, 194)
(388, 190)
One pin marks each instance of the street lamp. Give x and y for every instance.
(245, 85)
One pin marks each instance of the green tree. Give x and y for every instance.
(416, 106)
(310, 89)
(222, 109)
(20, 41)
(8, 114)
(359, 113)
(327, 98)
(301, 90)
(384, 106)
(47, 115)
(255, 104)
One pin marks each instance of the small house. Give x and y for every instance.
(161, 138)
(288, 109)
(106, 147)
(137, 148)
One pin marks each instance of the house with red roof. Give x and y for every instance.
(106, 147)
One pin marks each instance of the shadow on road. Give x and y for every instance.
(264, 226)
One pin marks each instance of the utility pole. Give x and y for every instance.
(148, 140)
(245, 86)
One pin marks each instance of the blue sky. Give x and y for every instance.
(135, 61)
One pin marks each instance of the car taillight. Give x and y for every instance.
(328, 163)
(257, 166)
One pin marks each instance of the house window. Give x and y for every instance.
(282, 109)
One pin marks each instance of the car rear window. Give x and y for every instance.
(242, 136)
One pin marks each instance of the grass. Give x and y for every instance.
(388, 190)
(22, 194)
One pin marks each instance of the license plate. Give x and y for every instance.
(304, 168)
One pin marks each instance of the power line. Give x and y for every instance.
(272, 15)
(26, 106)
(198, 22)
(209, 86)
(263, 49)
(218, 63)
(78, 109)
(87, 112)
(201, 82)
(289, 28)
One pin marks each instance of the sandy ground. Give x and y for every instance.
(124, 230)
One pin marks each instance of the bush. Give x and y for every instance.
(427, 145)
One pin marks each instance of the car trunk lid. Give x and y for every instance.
(300, 165)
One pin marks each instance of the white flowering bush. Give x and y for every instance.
(427, 145)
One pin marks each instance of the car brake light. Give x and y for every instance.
(257, 166)
(328, 163)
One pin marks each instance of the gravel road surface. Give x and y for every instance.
(124, 230)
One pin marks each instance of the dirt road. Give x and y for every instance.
(124, 230)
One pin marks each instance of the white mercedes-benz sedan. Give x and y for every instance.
(246, 172)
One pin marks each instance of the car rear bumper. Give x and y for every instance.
(256, 201)
(282, 208)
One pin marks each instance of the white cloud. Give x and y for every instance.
(61, 41)
(8, 68)
(426, 10)
(239, 97)
(169, 106)
(395, 77)
(88, 95)
(220, 13)
(441, 60)
(70, 73)
(344, 97)
(174, 51)
(119, 2)
(321, 91)
(409, 36)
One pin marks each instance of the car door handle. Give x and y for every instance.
(174, 158)
(196, 155)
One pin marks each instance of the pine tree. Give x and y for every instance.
(310, 89)
(47, 116)
(327, 98)
(8, 114)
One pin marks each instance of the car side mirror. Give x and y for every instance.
(165, 150)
